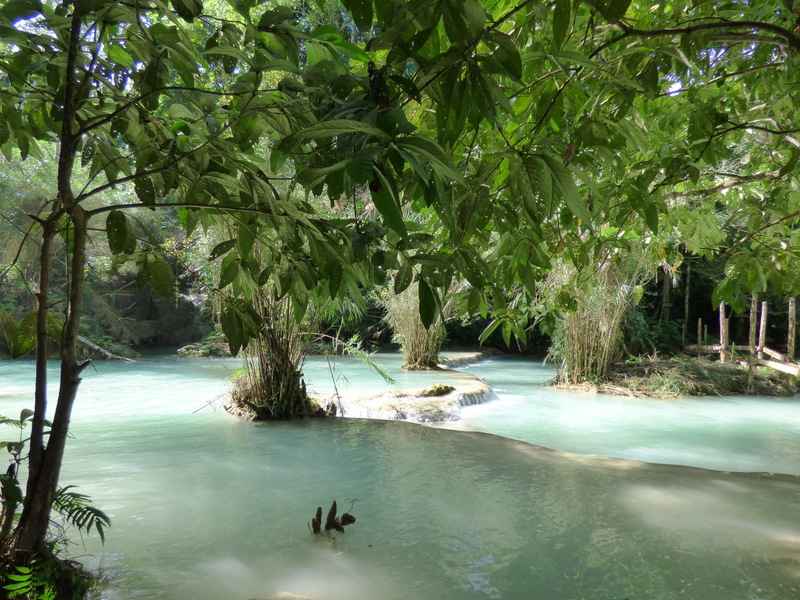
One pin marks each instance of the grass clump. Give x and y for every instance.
(682, 376)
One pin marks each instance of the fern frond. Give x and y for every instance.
(77, 511)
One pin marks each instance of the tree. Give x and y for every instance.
(124, 90)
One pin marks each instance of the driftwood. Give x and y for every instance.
(331, 521)
(87, 343)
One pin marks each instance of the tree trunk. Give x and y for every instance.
(751, 359)
(666, 297)
(43, 480)
(45, 461)
(685, 330)
(762, 330)
(790, 340)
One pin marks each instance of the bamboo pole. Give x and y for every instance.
(762, 330)
(790, 341)
(724, 353)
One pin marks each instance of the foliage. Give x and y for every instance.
(48, 580)
(419, 344)
(645, 333)
(587, 341)
(77, 511)
(272, 387)
(524, 135)
(214, 344)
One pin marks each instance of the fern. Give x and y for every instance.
(34, 582)
(77, 511)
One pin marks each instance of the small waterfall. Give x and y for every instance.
(477, 395)
(416, 405)
(462, 359)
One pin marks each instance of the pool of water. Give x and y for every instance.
(744, 433)
(205, 507)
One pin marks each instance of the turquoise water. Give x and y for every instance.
(723, 433)
(207, 507)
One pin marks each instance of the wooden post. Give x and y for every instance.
(705, 333)
(724, 353)
(699, 334)
(790, 341)
(762, 330)
(685, 329)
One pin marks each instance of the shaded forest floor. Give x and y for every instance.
(682, 376)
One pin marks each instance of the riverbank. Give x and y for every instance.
(683, 376)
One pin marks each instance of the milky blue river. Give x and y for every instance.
(205, 507)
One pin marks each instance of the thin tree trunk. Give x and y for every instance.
(685, 330)
(762, 330)
(43, 483)
(45, 462)
(790, 340)
(666, 297)
(751, 359)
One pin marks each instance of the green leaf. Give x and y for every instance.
(118, 233)
(506, 53)
(231, 323)
(433, 153)
(564, 185)
(335, 273)
(361, 10)
(428, 304)
(359, 167)
(562, 14)
(84, 7)
(14, 10)
(474, 17)
(145, 191)
(490, 329)
(351, 50)
(339, 126)
(247, 237)
(155, 271)
(229, 270)
(404, 277)
(221, 249)
(119, 55)
(387, 202)
(613, 10)
(188, 10)
(20, 337)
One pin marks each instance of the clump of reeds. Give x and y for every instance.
(271, 383)
(587, 340)
(420, 346)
